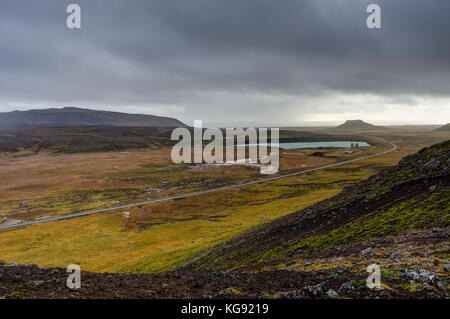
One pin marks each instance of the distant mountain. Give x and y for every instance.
(72, 116)
(446, 127)
(358, 125)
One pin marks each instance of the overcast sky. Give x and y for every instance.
(231, 62)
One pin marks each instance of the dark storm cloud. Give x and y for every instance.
(210, 57)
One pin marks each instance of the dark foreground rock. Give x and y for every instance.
(18, 281)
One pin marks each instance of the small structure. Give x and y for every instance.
(350, 150)
(353, 148)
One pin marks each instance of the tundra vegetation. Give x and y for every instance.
(162, 237)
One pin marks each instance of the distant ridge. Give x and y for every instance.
(446, 127)
(358, 125)
(72, 116)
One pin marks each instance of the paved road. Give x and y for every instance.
(394, 147)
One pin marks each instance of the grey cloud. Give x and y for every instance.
(207, 57)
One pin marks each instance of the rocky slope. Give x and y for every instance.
(18, 281)
(398, 218)
(412, 195)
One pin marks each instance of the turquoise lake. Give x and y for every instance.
(295, 145)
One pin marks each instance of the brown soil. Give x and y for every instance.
(45, 172)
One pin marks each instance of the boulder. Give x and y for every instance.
(332, 294)
(317, 290)
(346, 287)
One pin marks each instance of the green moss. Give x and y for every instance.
(269, 296)
(359, 283)
(442, 255)
(410, 287)
(424, 211)
(231, 291)
(417, 213)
